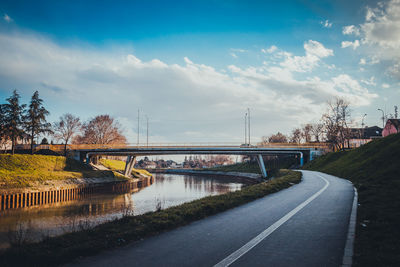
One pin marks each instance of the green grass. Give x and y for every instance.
(251, 167)
(58, 250)
(375, 171)
(119, 165)
(18, 171)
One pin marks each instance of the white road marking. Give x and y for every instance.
(256, 240)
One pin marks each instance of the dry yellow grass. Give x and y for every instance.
(23, 170)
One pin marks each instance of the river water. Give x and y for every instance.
(37, 222)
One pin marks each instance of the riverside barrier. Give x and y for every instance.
(43, 197)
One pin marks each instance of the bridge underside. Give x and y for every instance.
(133, 153)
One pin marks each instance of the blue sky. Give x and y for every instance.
(194, 66)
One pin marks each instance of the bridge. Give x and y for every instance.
(304, 152)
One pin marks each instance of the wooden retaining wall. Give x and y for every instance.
(28, 199)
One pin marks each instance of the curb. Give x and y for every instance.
(351, 232)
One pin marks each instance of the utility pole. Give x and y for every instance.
(147, 131)
(362, 124)
(362, 121)
(248, 111)
(138, 125)
(245, 128)
(383, 118)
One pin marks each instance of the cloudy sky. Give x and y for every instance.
(194, 67)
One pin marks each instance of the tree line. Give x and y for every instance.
(18, 121)
(333, 128)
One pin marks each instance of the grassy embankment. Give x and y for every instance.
(118, 165)
(375, 171)
(19, 171)
(251, 167)
(65, 248)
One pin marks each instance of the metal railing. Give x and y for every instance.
(173, 145)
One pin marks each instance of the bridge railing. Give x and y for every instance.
(60, 147)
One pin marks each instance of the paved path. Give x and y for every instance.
(304, 225)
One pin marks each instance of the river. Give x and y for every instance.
(37, 222)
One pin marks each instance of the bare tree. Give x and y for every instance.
(296, 136)
(306, 132)
(336, 121)
(66, 128)
(317, 131)
(102, 129)
(277, 138)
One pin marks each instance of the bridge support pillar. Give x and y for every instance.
(130, 162)
(301, 159)
(260, 161)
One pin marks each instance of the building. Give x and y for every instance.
(361, 136)
(392, 127)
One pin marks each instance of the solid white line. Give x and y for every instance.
(348, 250)
(256, 240)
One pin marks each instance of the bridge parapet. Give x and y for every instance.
(176, 145)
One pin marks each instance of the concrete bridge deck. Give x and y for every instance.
(132, 152)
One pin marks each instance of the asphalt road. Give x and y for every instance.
(304, 225)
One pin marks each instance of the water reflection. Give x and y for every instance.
(168, 190)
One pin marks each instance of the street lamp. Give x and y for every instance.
(362, 121)
(248, 112)
(362, 125)
(383, 118)
(245, 128)
(147, 131)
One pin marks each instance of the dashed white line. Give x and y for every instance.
(256, 240)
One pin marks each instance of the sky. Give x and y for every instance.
(194, 67)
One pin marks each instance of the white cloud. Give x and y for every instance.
(380, 36)
(179, 99)
(326, 24)
(234, 55)
(351, 29)
(382, 25)
(239, 50)
(370, 81)
(7, 18)
(317, 49)
(353, 45)
(270, 50)
(385, 85)
(314, 51)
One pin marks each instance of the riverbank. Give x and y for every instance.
(65, 248)
(22, 173)
(242, 176)
(374, 170)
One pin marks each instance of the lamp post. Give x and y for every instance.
(147, 131)
(362, 125)
(138, 125)
(245, 128)
(362, 121)
(248, 112)
(383, 118)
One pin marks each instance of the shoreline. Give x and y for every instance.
(248, 177)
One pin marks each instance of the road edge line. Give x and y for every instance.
(264, 234)
(351, 233)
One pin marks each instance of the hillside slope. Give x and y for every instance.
(375, 171)
(18, 171)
